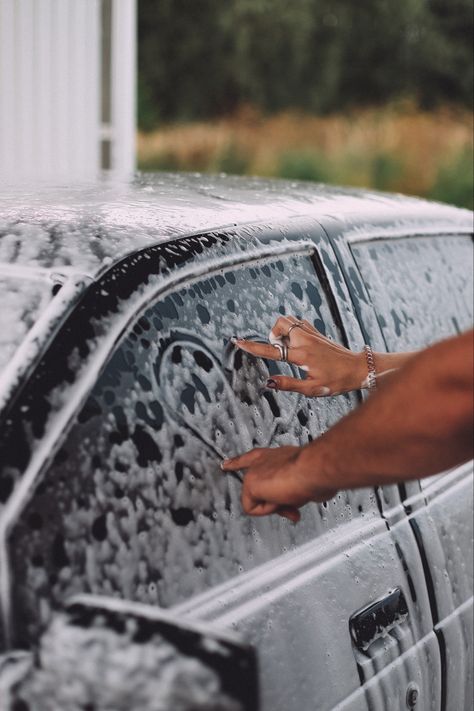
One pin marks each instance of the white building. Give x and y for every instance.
(67, 88)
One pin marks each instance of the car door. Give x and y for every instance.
(124, 496)
(421, 289)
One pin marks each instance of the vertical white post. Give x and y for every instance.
(7, 87)
(60, 67)
(50, 85)
(84, 77)
(24, 90)
(123, 118)
(44, 125)
(92, 90)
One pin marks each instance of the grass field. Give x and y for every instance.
(397, 148)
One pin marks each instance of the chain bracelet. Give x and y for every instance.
(372, 373)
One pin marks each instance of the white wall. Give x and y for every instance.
(65, 109)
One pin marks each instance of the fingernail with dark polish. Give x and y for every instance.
(272, 384)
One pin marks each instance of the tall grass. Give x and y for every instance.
(397, 148)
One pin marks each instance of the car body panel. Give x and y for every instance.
(294, 605)
(396, 315)
(365, 568)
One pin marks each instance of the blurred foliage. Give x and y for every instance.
(202, 58)
(396, 148)
(270, 87)
(305, 165)
(231, 160)
(386, 170)
(454, 182)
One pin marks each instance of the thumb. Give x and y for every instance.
(284, 382)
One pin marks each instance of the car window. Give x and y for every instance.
(135, 503)
(421, 288)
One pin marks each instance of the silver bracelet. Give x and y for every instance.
(372, 374)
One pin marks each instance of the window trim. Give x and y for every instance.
(33, 346)
(378, 232)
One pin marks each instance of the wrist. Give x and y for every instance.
(314, 467)
(360, 371)
(371, 370)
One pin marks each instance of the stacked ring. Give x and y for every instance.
(283, 351)
(298, 324)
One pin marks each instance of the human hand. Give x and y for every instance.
(330, 368)
(277, 480)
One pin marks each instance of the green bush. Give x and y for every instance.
(160, 161)
(455, 181)
(307, 165)
(385, 171)
(232, 161)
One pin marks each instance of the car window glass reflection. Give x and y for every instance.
(422, 290)
(421, 287)
(135, 503)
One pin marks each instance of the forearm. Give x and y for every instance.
(420, 423)
(387, 364)
(351, 372)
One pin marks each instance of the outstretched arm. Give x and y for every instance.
(419, 424)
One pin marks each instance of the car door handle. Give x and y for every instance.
(377, 619)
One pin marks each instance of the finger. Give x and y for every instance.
(309, 326)
(261, 350)
(280, 328)
(283, 325)
(295, 385)
(325, 495)
(242, 461)
(306, 387)
(255, 507)
(262, 508)
(289, 512)
(311, 329)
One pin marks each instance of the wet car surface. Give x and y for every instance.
(120, 394)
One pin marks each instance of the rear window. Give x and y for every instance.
(421, 287)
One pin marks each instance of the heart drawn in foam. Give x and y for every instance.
(219, 400)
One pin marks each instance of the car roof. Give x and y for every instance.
(87, 226)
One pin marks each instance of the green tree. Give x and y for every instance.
(199, 58)
(184, 60)
(444, 70)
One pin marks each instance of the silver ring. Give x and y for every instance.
(280, 348)
(283, 351)
(298, 324)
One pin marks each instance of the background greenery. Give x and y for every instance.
(285, 87)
